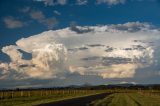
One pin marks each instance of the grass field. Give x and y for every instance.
(33, 99)
(128, 99)
(117, 97)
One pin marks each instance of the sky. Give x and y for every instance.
(47, 43)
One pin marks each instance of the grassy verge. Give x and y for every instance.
(128, 99)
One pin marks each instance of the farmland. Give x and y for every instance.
(34, 97)
(113, 96)
(128, 99)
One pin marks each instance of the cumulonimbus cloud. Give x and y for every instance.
(47, 61)
(109, 51)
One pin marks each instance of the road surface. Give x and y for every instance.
(81, 101)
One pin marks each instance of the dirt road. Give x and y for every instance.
(81, 101)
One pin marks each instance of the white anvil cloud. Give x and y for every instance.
(110, 51)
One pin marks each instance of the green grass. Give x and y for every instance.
(145, 98)
(35, 100)
(128, 99)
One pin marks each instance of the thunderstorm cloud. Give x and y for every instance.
(105, 52)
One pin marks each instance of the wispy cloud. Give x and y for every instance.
(37, 15)
(52, 2)
(49, 22)
(25, 9)
(111, 2)
(57, 12)
(12, 23)
(82, 2)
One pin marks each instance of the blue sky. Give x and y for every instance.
(25, 18)
(87, 14)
